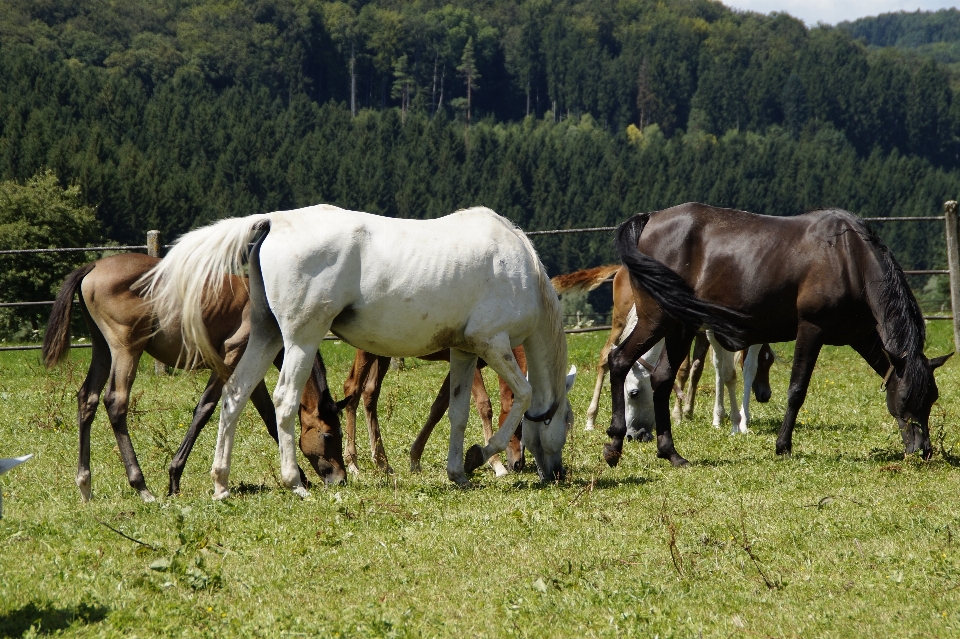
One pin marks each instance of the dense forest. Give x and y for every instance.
(170, 113)
(935, 34)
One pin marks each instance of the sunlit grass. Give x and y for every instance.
(846, 538)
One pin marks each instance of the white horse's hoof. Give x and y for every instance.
(301, 492)
(220, 495)
(499, 470)
(147, 496)
(353, 469)
(588, 427)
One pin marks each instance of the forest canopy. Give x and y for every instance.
(170, 113)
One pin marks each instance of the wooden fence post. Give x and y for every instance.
(953, 263)
(153, 250)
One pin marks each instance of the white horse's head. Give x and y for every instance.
(545, 439)
(638, 396)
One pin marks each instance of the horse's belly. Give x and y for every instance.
(397, 334)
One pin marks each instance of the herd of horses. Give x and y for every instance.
(470, 289)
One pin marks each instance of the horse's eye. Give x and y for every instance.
(634, 392)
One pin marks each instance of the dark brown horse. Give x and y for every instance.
(364, 383)
(122, 328)
(819, 278)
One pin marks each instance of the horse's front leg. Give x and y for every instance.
(809, 343)
(621, 361)
(462, 367)
(677, 345)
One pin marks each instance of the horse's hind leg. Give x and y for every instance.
(201, 415)
(809, 343)
(602, 368)
(515, 456)
(88, 397)
(676, 348)
(462, 367)
(260, 398)
(116, 399)
(682, 376)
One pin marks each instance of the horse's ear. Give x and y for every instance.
(937, 362)
(343, 403)
(571, 377)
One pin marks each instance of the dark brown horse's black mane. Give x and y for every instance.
(904, 331)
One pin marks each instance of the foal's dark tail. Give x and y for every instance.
(670, 290)
(56, 341)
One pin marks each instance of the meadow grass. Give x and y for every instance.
(844, 539)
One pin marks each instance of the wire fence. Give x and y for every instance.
(578, 327)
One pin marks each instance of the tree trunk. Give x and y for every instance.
(353, 80)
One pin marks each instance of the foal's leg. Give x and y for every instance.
(809, 343)
(88, 397)
(201, 414)
(462, 367)
(515, 456)
(116, 400)
(726, 375)
(370, 397)
(750, 362)
(700, 347)
(602, 368)
(437, 410)
(683, 374)
(353, 386)
(482, 399)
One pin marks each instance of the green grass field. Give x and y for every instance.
(844, 539)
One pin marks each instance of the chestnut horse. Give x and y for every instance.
(364, 382)
(819, 278)
(122, 328)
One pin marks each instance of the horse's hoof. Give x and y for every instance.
(785, 450)
(473, 459)
(353, 469)
(611, 455)
(301, 492)
(460, 480)
(415, 467)
(678, 461)
(588, 427)
(147, 496)
(644, 436)
(499, 470)
(221, 495)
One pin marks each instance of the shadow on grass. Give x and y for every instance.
(244, 488)
(47, 619)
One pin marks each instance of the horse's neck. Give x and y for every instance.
(890, 326)
(546, 353)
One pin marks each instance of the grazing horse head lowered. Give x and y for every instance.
(819, 278)
(470, 281)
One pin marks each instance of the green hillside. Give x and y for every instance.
(169, 113)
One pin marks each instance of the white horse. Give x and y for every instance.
(470, 281)
(724, 365)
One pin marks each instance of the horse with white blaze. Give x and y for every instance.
(470, 281)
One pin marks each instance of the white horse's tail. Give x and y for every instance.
(193, 274)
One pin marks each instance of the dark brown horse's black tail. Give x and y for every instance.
(56, 341)
(670, 291)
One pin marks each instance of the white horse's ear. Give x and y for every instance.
(571, 377)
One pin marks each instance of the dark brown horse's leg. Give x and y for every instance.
(371, 395)
(621, 361)
(201, 415)
(809, 343)
(88, 397)
(676, 348)
(116, 400)
(437, 410)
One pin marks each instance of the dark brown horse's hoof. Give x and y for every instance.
(678, 461)
(473, 459)
(612, 455)
(784, 450)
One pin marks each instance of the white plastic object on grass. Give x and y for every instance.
(6, 463)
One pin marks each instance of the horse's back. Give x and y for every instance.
(401, 287)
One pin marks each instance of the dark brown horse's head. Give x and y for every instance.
(911, 393)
